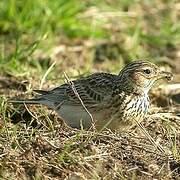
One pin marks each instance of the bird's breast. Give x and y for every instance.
(135, 108)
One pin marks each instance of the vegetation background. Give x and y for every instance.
(39, 40)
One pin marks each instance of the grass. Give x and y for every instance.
(39, 40)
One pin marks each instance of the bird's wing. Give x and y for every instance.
(92, 90)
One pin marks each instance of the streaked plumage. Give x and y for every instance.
(114, 101)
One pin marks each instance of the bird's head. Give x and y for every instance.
(143, 74)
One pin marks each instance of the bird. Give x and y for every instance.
(104, 100)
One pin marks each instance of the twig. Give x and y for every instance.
(81, 101)
(30, 112)
(158, 146)
(46, 74)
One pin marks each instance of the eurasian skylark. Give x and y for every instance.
(117, 102)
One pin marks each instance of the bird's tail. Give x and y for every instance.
(27, 101)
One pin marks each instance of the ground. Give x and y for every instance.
(39, 41)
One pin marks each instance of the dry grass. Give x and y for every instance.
(54, 151)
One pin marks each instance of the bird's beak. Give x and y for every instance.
(165, 75)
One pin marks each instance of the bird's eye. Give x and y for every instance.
(147, 71)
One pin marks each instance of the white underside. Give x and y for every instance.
(75, 116)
